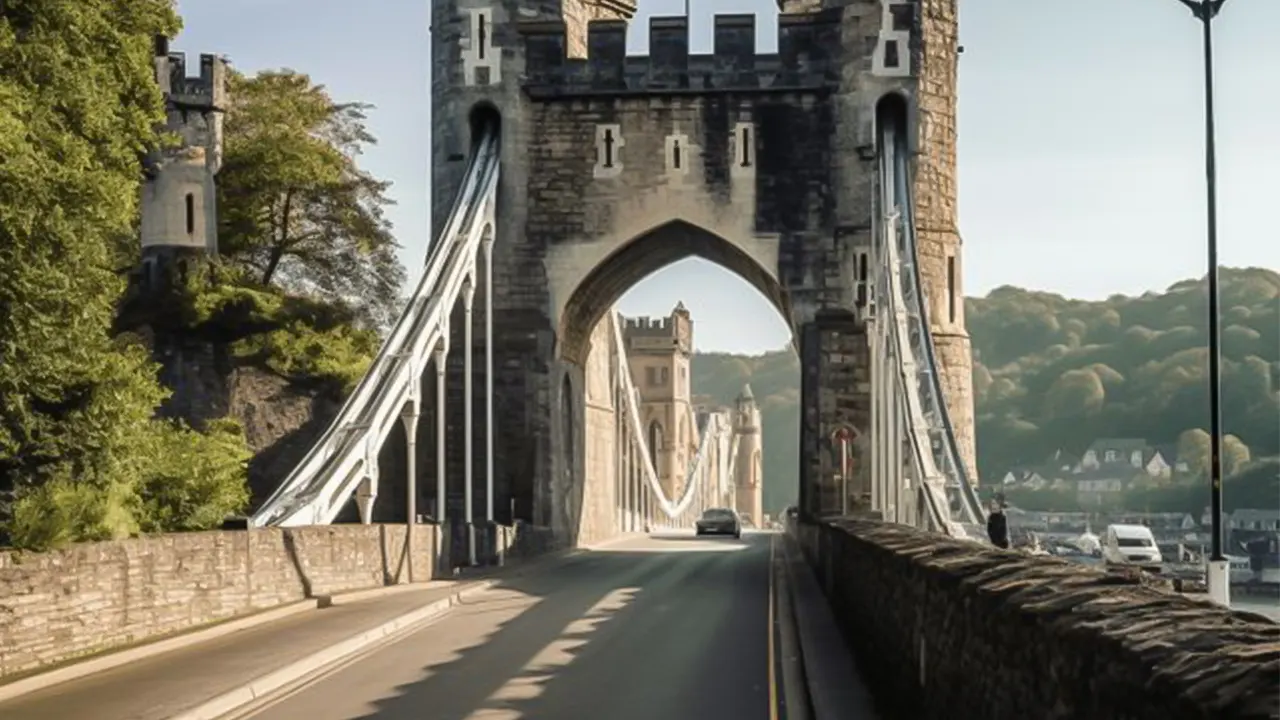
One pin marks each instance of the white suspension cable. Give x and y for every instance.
(631, 415)
(316, 490)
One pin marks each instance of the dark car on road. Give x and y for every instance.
(719, 521)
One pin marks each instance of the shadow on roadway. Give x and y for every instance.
(594, 591)
(687, 537)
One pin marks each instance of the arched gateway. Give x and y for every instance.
(614, 166)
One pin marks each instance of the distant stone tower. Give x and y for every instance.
(179, 218)
(659, 353)
(748, 466)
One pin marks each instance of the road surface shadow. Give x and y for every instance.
(498, 673)
(673, 537)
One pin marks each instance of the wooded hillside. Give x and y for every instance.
(1054, 373)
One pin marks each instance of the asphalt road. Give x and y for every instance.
(670, 627)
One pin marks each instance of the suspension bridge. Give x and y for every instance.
(511, 403)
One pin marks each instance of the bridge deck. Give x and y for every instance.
(668, 626)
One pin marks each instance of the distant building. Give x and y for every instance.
(1107, 468)
(659, 353)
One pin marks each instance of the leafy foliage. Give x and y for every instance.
(296, 212)
(78, 108)
(309, 340)
(1052, 373)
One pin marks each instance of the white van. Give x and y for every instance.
(1131, 545)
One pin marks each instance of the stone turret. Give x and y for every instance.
(748, 467)
(659, 353)
(179, 217)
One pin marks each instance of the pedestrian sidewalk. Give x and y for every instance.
(165, 685)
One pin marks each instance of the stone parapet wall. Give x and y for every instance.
(68, 603)
(948, 629)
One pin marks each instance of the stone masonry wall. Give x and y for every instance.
(947, 629)
(598, 511)
(93, 597)
(937, 223)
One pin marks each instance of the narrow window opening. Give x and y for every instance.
(862, 278)
(675, 155)
(482, 35)
(655, 442)
(891, 53)
(951, 288)
(191, 214)
(608, 148)
(746, 147)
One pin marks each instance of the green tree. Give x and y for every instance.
(1193, 449)
(1235, 455)
(78, 108)
(1148, 352)
(1077, 393)
(295, 210)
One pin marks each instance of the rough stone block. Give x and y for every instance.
(947, 628)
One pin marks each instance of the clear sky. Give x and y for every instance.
(1081, 136)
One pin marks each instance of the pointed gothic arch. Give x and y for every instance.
(655, 439)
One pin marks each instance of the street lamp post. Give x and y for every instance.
(1218, 569)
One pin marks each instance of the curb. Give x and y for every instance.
(828, 662)
(263, 686)
(112, 660)
(796, 700)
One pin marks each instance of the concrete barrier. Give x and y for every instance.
(945, 629)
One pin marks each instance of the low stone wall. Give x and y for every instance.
(949, 629)
(59, 605)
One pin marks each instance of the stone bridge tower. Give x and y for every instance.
(658, 354)
(748, 466)
(614, 166)
(179, 216)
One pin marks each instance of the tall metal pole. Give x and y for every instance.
(442, 489)
(410, 419)
(1218, 570)
(488, 383)
(468, 399)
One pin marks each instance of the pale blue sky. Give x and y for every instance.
(1081, 121)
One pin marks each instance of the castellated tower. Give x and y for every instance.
(930, 28)
(659, 353)
(748, 478)
(179, 218)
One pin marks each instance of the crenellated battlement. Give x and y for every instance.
(207, 89)
(652, 327)
(807, 57)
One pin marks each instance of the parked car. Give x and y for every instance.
(719, 521)
(1131, 545)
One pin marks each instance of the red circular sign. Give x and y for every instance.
(844, 434)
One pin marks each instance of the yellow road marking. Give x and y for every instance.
(773, 677)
